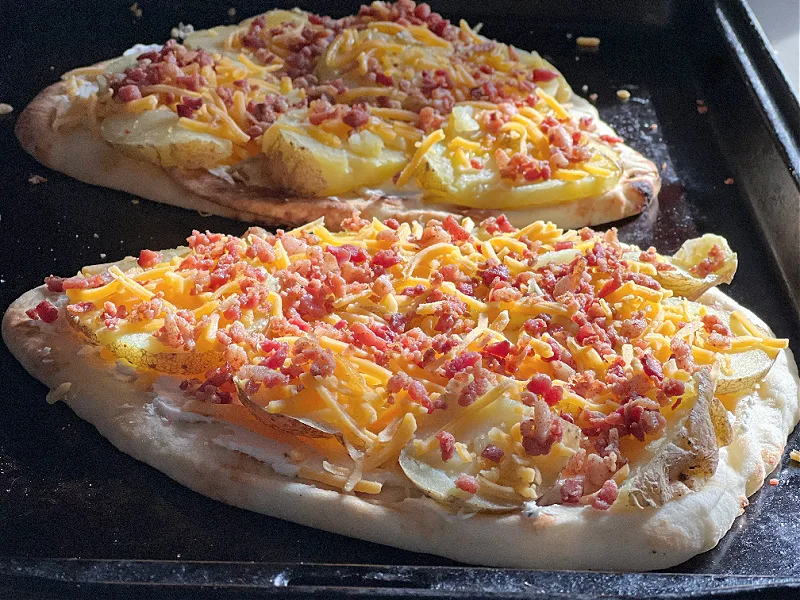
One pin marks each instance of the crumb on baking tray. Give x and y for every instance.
(5, 108)
(593, 97)
(137, 12)
(729, 181)
(587, 42)
(36, 179)
(623, 95)
(795, 455)
(231, 12)
(181, 32)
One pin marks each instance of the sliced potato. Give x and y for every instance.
(745, 369)
(486, 189)
(681, 280)
(301, 164)
(145, 351)
(686, 455)
(295, 426)
(156, 137)
(436, 477)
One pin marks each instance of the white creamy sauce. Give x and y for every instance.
(270, 452)
(169, 399)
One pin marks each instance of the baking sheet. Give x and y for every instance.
(67, 493)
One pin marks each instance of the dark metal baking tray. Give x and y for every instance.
(80, 519)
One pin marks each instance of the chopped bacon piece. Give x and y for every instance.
(606, 495)
(498, 349)
(714, 262)
(652, 367)
(447, 444)
(492, 453)
(460, 363)
(467, 483)
(385, 259)
(539, 384)
(148, 259)
(59, 284)
(543, 75)
(454, 228)
(572, 490)
(44, 311)
(673, 387)
(611, 139)
(348, 253)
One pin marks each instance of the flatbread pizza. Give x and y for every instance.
(499, 396)
(394, 112)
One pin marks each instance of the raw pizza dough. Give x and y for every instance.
(553, 537)
(87, 157)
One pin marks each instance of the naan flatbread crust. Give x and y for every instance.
(553, 537)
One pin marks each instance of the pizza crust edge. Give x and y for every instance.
(558, 537)
(83, 156)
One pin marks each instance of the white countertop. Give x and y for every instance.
(781, 22)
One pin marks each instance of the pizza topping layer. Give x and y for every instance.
(395, 98)
(489, 365)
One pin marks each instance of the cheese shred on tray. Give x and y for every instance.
(485, 365)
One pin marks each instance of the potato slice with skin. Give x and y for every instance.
(436, 477)
(746, 368)
(681, 280)
(156, 137)
(482, 188)
(143, 350)
(295, 426)
(298, 163)
(686, 455)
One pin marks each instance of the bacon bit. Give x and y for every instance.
(460, 363)
(80, 308)
(148, 259)
(774, 481)
(498, 349)
(476, 164)
(611, 139)
(467, 483)
(572, 490)
(447, 444)
(563, 245)
(385, 259)
(543, 75)
(494, 225)
(493, 453)
(59, 284)
(673, 387)
(714, 262)
(610, 286)
(348, 253)
(553, 395)
(652, 367)
(456, 231)
(677, 403)
(606, 495)
(729, 181)
(539, 384)
(44, 311)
